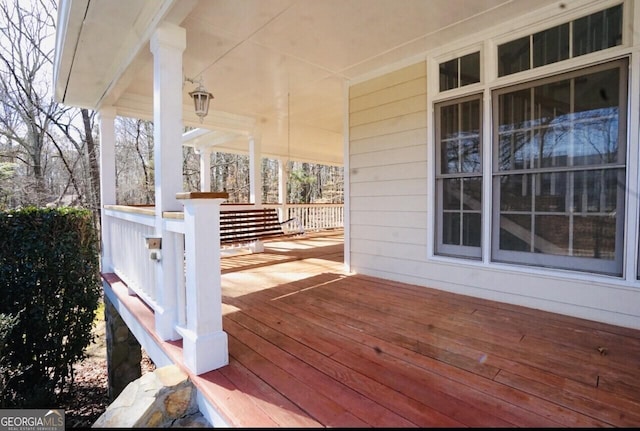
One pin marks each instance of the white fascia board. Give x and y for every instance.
(69, 25)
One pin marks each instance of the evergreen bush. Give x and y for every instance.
(50, 287)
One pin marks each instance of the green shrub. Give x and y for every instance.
(50, 287)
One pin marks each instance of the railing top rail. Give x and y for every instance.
(306, 205)
(146, 210)
(174, 215)
(133, 209)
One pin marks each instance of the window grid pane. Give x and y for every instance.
(551, 46)
(470, 69)
(595, 32)
(449, 75)
(460, 71)
(559, 174)
(514, 56)
(459, 177)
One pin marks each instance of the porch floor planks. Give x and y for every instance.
(553, 413)
(324, 385)
(553, 350)
(428, 365)
(317, 351)
(466, 351)
(609, 406)
(293, 322)
(387, 329)
(289, 382)
(276, 406)
(355, 314)
(312, 346)
(469, 331)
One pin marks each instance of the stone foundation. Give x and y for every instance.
(162, 399)
(123, 352)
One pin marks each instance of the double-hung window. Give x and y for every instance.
(558, 152)
(559, 170)
(459, 177)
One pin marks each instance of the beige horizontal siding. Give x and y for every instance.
(398, 124)
(406, 171)
(410, 187)
(388, 167)
(374, 85)
(390, 110)
(389, 157)
(388, 218)
(382, 203)
(388, 95)
(403, 234)
(415, 137)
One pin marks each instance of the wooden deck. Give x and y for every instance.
(311, 346)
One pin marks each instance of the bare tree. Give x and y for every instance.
(134, 161)
(25, 27)
(50, 146)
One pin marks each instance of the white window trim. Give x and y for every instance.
(459, 251)
(529, 24)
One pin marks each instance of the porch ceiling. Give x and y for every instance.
(280, 65)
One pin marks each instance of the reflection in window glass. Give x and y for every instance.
(462, 200)
(560, 170)
(449, 75)
(460, 71)
(459, 177)
(592, 33)
(514, 56)
(551, 46)
(597, 31)
(470, 69)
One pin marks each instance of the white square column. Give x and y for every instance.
(204, 343)
(107, 118)
(167, 45)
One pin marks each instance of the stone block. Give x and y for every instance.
(160, 399)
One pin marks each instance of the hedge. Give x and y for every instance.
(50, 287)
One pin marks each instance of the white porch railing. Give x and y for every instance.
(312, 217)
(126, 229)
(180, 281)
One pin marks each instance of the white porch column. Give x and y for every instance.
(205, 169)
(107, 118)
(204, 343)
(167, 44)
(255, 170)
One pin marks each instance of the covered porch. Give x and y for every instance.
(313, 345)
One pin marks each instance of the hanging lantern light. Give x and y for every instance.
(201, 98)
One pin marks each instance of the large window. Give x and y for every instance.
(555, 191)
(459, 177)
(559, 170)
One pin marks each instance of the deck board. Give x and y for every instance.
(313, 346)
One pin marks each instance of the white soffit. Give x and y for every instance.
(101, 39)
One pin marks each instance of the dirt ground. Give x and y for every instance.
(88, 398)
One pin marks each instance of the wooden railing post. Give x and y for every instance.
(204, 343)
